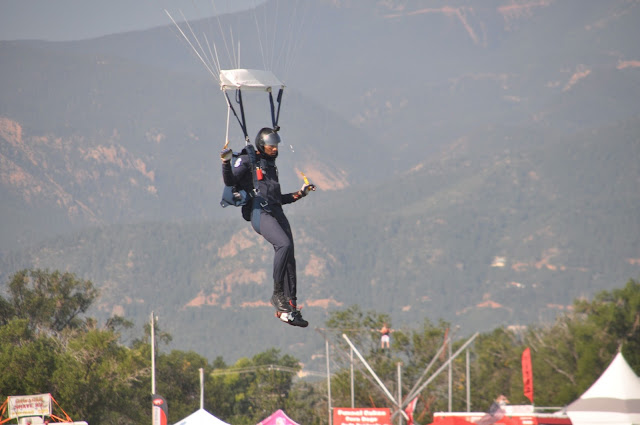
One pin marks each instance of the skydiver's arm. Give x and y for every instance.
(234, 170)
(227, 174)
(289, 198)
(292, 197)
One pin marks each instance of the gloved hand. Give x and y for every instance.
(226, 154)
(306, 188)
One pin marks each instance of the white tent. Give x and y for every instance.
(613, 399)
(201, 417)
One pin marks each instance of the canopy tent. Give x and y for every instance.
(201, 417)
(278, 418)
(613, 399)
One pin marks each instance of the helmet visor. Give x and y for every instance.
(271, 139)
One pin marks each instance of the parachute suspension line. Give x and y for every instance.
(255, 18)
(194, 36)
(267, 53)
(275, 33)
(294, 37)
(224, 39)
(283, 55)
(297, 37)
(235, 60)
(214, 58)
(192, 46)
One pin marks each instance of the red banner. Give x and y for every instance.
(527, 374)
(361, 416)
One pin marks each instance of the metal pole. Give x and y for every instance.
(413, 394)
(326, 341)
(431, 363)
(153, 356)
(201, 388)
(468, 384)
(384, 389)
(353, 398)
(399, 389)
(450, 378)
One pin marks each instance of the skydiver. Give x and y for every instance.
(267, 217)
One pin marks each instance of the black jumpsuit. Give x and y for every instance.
(267, 217)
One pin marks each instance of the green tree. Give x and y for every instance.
(307, 403)
(47, 346)
(27, 361)
(262, 385)
(50, 301)
(272, 382)
(178, 381)
(100, 380)
(616, 315)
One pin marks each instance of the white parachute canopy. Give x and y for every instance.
(249, 79)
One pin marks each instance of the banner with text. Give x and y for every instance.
(361, 416)
(29, 405)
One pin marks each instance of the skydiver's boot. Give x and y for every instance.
(278, 299)
(294, 318)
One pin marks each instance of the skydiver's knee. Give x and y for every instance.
(285, 246)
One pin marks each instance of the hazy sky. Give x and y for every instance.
(63, 20)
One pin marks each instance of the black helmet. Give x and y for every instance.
(268, 137)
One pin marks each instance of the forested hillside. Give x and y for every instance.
(506, 237)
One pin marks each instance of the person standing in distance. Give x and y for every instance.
(267, 217)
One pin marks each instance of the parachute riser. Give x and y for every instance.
(275, 116)
(242, 122)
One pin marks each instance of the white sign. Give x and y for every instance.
(29, 405)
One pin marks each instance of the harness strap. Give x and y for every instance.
(251, 153)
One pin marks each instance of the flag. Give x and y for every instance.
(409, 410)
(527, 374)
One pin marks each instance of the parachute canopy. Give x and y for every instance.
(248, 79)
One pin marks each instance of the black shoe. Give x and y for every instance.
(280, 302)
(293, 318)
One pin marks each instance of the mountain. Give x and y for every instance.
(475, 162)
